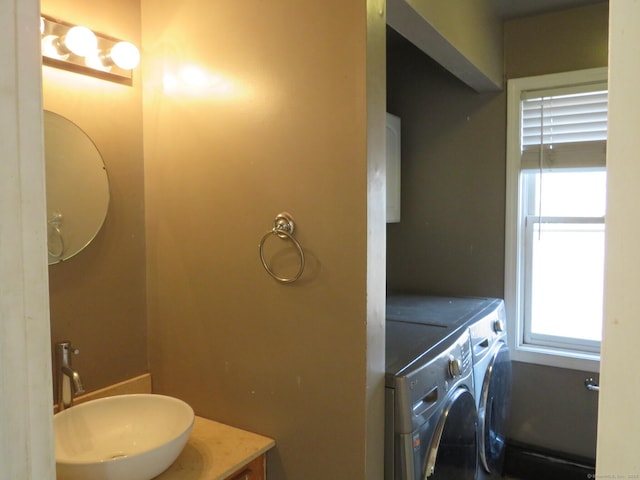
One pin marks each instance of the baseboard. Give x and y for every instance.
(528, 462)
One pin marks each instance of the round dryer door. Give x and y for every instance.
(493, 409)
(453, 453)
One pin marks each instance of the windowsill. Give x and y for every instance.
(555, 358)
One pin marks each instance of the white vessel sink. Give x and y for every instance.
(132, 437)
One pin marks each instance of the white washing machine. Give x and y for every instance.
(492, 385)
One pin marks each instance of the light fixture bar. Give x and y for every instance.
(78, 49)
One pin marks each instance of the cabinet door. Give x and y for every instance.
(393, 168)
(252, 471)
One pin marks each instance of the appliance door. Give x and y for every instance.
(453, 452)
(493, 409)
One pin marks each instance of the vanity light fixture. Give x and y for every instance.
(78, 49)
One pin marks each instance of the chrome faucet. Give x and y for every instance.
(69, 383)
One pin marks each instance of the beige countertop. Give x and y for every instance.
(215, 451)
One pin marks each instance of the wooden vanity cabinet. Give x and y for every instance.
(255, 470)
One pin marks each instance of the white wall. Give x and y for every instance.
(619, 417)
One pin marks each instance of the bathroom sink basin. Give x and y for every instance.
(132, 437)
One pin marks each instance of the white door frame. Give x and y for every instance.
(618, 415)
(26, 432)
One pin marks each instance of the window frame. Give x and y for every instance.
(553, 354)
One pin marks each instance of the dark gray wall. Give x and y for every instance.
(451, 236)
(552, 409)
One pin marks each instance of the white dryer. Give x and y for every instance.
(492, 386)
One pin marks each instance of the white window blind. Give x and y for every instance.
(562, 130)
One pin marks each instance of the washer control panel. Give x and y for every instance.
(455, 367)
(420, 391)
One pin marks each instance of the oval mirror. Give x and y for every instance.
(77, 188)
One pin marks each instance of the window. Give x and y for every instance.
(556, 197)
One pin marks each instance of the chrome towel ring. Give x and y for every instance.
(283, 227)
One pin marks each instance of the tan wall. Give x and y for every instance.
(98, 297)
(568, 40)
(274, 118)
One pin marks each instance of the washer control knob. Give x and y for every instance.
(455, 367)
(498, 326)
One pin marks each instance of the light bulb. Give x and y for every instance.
(80, 41)
(125, 55)
(95, 60)
(50, 48)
